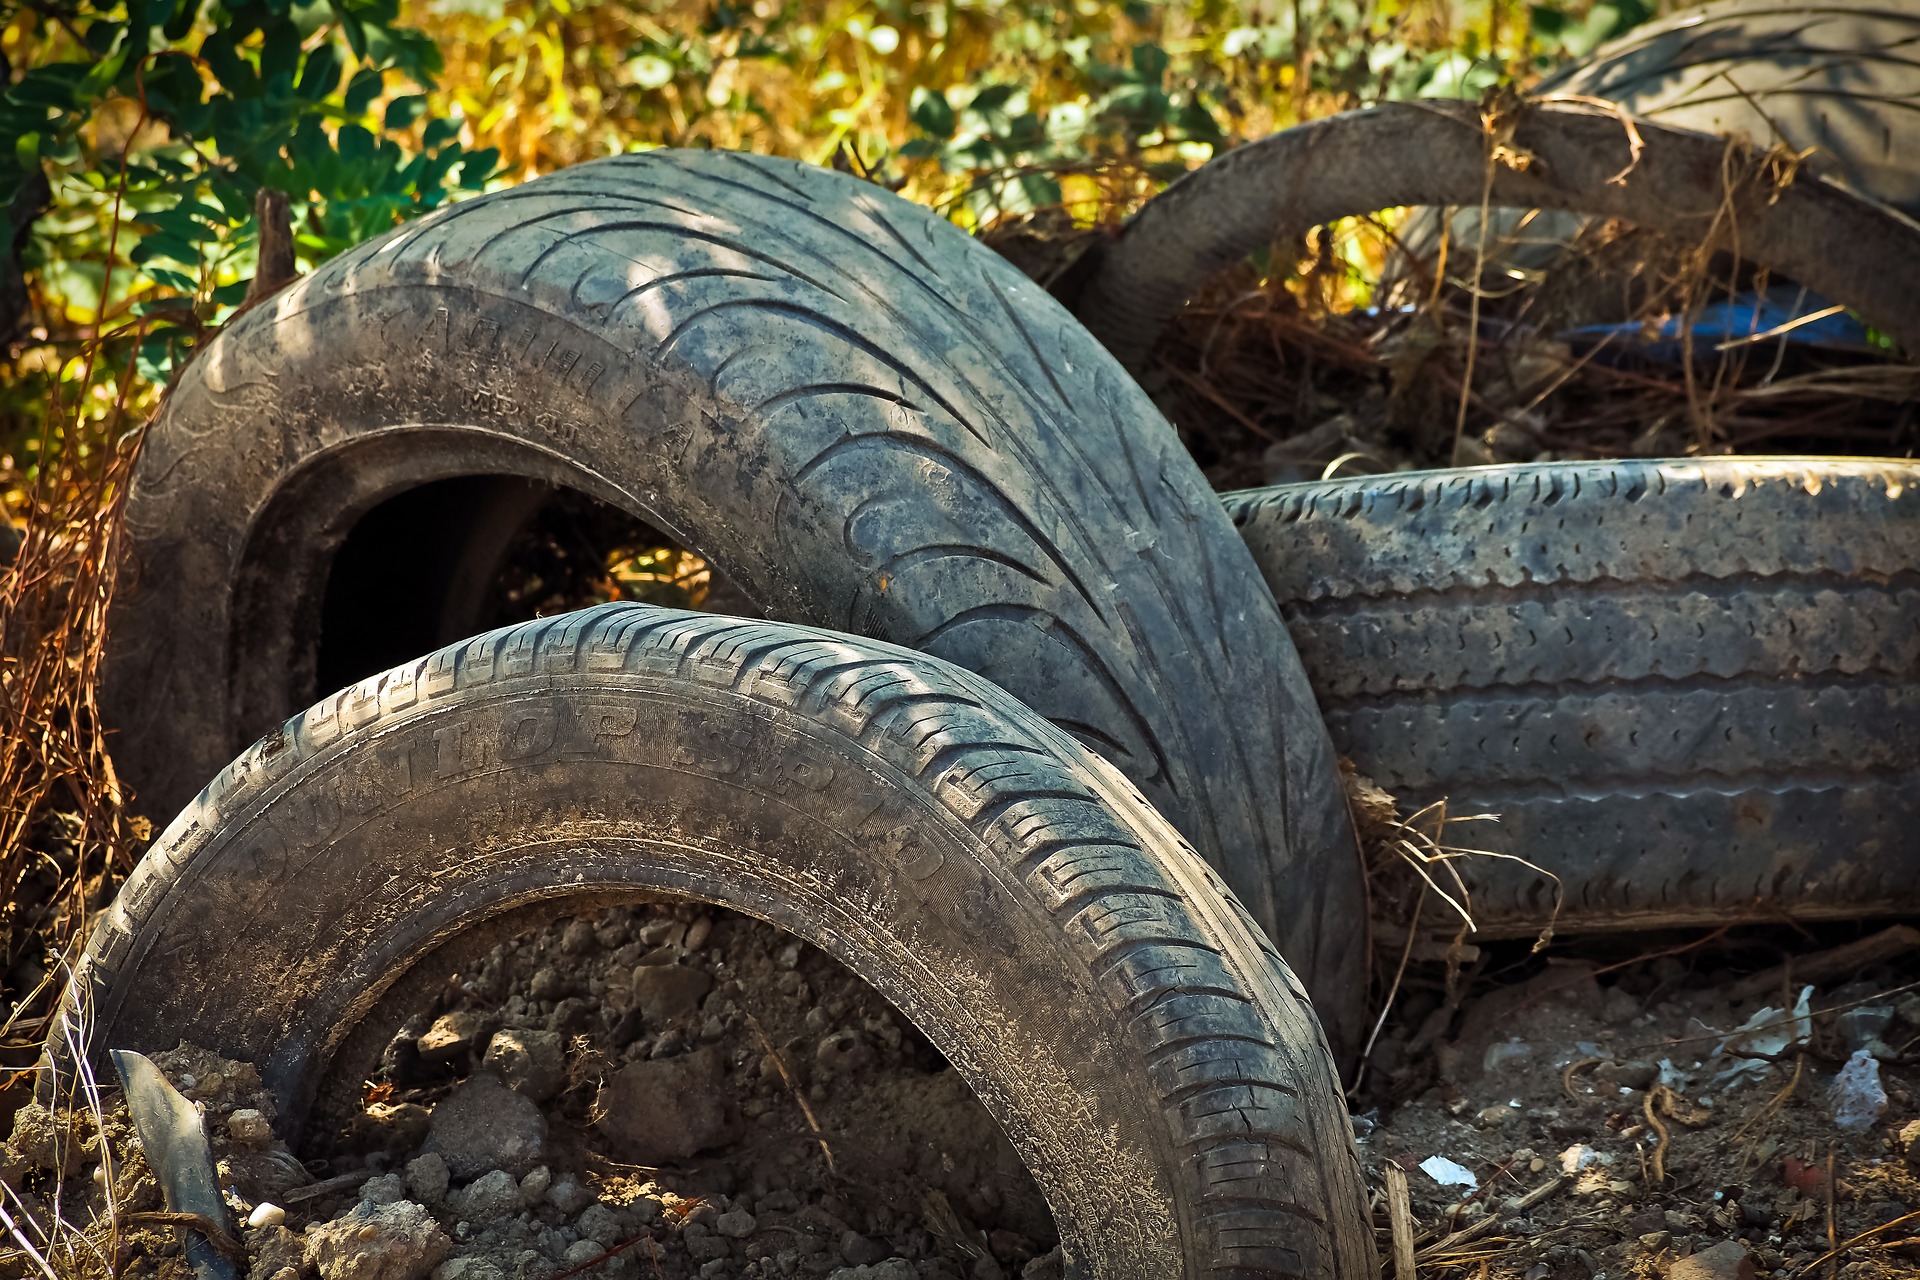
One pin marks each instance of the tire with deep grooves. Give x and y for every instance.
(1689, 689)
(1118, 1012)
(864, 418)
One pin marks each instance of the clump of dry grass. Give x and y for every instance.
(66, 834)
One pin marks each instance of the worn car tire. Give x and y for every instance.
(1690, 689)
(867, 420)
(1116, 1010)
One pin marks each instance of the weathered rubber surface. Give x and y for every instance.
(1581, 159)
(1118, 1012)
(1841, 77)
(1838, 80)
(1690, 689)
(866, 419)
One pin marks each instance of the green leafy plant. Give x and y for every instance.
(144, 130)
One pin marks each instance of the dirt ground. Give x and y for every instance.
(677, 1091)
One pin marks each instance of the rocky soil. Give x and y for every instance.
(665, 1090)
(675, 1091)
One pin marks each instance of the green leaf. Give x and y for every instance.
(932, 113)
(402, 112)
(321, 75)
(1150, 62)
(991, 98)
(438, 131)
(363, 89)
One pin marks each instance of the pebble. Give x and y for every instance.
(568, 1195)
(1726, 1261)
(248, 1125)
(581, 1252)
(665, 1109)
(843, 1052)
(859, 1250)
(698, 932)
(665, 992)
(266, 1214)
(530, 1062)
(451, 1035)
(469, 1268)
(427, 1178)
(533, 1187)
(736, 1224)
(547, 984)
(398, 1241)
(577, 939)
(388, 1189)
(601, 1225)
(483, 1125)
(496, 1195)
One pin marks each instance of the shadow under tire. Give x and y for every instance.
(865, 419)
(1119, 1014)
(1690, 689)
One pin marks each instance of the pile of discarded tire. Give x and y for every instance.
(1033, 704)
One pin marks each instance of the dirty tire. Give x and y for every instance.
(867, 420)
(1690, 689)
(1118, 1012)
(1435, 152)
(1838, 82)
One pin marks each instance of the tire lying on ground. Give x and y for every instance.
(1116, 1010)
(864, 418)
(1689, 689)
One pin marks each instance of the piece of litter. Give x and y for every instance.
(1447, 1173)
(1770, 1032)
(1858, 1098)
(1581, 1156)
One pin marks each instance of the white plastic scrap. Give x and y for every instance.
(1447, 1173)
(1858, 1098)
(1580, 1156)
(1769, 1032)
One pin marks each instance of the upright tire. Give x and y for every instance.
(864, 418)
(1691, 689)
(1120, 1015)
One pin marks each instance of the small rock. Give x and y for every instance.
(698, 932)
(533, 1187)
(427, 1178)
(662, 933)
(570, 1014)
(266, 1214)
(483, 1125)
(668, 991)
(843, 1053)
(667, 1109)
(495, 1195)
(1637, 1074)
(43, 1139)
(1858, 1098)
(1910, 1143)
(451, 1035)
(859, 1250)
(389, 1127)
(1862, 1027)
(1495, 1116)
(469, 1268)
(547, 984)
(581, 1252)
(736, 1224)
(248, 1125)
(706, 1248)
(568, 1196)
(1051, 1266)
(601, 1225)
(1725, 1261)
(577, 939)
(398, 1241)
(390, 1189)
(530, 1062)
(275, 1249)
(987, 1267)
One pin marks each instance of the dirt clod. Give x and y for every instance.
(483, 1126)
(397, 1241)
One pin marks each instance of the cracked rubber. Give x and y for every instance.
(1690, 689)
(867, 420)
(1117, 1011)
